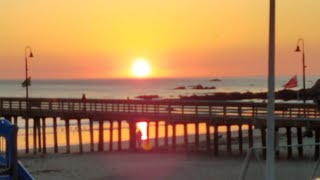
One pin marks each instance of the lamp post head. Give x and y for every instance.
(298, 49)
(31, 55)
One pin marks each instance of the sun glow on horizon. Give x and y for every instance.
(140, 68)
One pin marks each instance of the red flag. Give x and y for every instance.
(292, 83)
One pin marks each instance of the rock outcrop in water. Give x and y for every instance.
(312, 93)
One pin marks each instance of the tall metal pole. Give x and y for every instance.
(270, 169)
(26, 81)
(304, 76)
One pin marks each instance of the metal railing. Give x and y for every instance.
(158, 107)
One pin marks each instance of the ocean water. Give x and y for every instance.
(122, 89)
(130, 88)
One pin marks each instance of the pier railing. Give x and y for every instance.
(195, 108)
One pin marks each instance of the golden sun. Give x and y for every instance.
(140, 68)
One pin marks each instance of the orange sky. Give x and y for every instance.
(100, 39)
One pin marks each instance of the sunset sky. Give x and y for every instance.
(189, 38)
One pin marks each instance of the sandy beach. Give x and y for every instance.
(116, 166)
(166, 165)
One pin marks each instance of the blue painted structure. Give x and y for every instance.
(10, 168)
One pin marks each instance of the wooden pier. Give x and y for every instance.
(214, 114)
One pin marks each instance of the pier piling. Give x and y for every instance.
(111, 136)
(101, 139)
(289, 142)
(91, 135)
(55, 135)
(67, 123)
(80, 135)
(44, 135)
(119, 135)
(229, 150)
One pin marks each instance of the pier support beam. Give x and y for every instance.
(289, 142)
(229, 150)
(119, 135)
(299, 137)
(208, 140)
(240, 139)
(91, 135)
(317, 147)
(196, 135)
(44, 135)
(55, 135)
(133, 138)
(157, 134)
(174, 137)
(263, 141)
(67, 123)
(111, 136)
(80, 135)
(185, 133)
(27, 134)
(15, 120)
(166, 129)
(250, 134)
(101, 134)
(216, 140)
(276, 142)
(35, 124)
(39, 132)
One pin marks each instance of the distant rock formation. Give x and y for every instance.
(312, 93)
(180, 88)
(199, 86)
(215, 80)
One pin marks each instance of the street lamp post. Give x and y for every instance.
(308, 131)
(26, 55)
(298, 49)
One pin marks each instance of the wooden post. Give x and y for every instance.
(119, 135)
(276, 141)
(80, 135)
(132, 132)
(55, 135)
(27, 134)
(67, 135)
(229, 150)
(240, 139)
(166, 128)
(289, 141)
(216, 140)
(208, 136)
(148, 131)
(299, 137)
(39, 132)
(35, 124)
(15, 120)
(111, 136)
(185, 130)
(174, 136)
(91, 135)
(263, 140)
(101, 141)
(44, 135)
(197, 135)
(317, 140)
(250, 133)
(157, 134)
